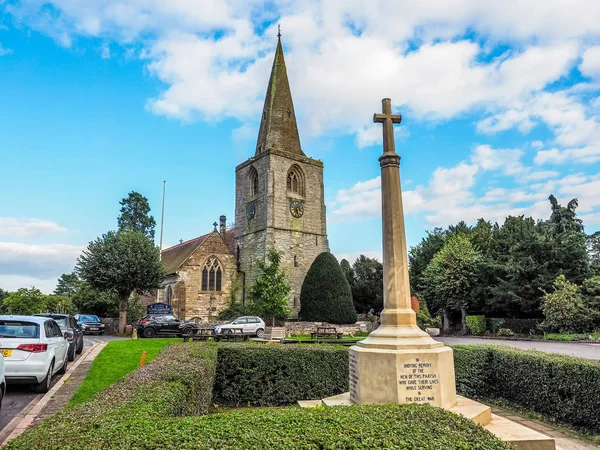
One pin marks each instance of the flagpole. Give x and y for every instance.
(162, 223)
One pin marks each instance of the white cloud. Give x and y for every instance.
(4, 50)
(38, 261)
(105, 51)
(13, 282)
(11, 226)
(590, 64)
(589, 154)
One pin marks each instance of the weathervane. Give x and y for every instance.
(279, 30)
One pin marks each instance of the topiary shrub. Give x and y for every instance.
(269, 375)
(326, 295)
(476, 325)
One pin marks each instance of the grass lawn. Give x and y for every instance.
(571, 337)
(116, 360)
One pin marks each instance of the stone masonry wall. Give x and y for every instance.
(189, 300)
(309, 327)
(299, 240)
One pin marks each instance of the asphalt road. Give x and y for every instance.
(19, 396)
(588, 351)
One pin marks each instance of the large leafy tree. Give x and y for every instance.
(326, 295)
(26, 302)
(421, 255)
(121, 262)
(593, 248)
(67, 285)
(451, 277)
(91, 301)
(134, 216)
(564, 310)
(270, 290)
(367, 286)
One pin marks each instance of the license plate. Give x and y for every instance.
(94, 329)
(6, 353)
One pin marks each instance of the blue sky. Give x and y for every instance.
(97, 98)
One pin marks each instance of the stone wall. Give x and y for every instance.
(189, 300)
(299, 240)
(309, 327)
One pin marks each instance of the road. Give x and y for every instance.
(18, 397)
(588, 351)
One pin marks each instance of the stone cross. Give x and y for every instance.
(397, 306)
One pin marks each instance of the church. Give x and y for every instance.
(279, 202)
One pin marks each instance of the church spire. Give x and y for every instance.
(278, 128)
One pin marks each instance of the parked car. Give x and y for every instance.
(89, 323)
(163, 324)
(2, 381)
(74, 333)
(34, 349)
(251, 325)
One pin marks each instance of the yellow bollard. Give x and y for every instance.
(143, 360)
(134, 334)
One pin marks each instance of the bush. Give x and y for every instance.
(493, 324)
(361, 427)
(265, 375)
(564, 310)
(505, 332)
(560, 387)
(326, 295)
(476, 325)
(520, 326)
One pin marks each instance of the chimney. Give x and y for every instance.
(223, 227)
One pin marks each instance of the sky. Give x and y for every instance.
(102, 97)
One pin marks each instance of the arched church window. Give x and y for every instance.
(169, 296)
(295, 180)
(253, 178)
(212, 275)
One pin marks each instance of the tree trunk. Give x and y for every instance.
(463, 318)
(123, 300)
(446, 322)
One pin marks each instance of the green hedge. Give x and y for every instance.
(561, 387)
(270, 375)
(476, 325)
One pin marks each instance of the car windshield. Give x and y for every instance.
(63, 322)
(19, 329)
(83, 318)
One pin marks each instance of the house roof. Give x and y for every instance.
(173, 257)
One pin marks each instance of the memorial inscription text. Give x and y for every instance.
(419, 381)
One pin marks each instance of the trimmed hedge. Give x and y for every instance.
(519, 326)
(558, 386)
(326, 295)
(272, 375)
(476, 324)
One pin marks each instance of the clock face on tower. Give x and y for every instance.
(251, 210)
(296, 208)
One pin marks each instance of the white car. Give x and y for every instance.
(34, 349)
(252, 325)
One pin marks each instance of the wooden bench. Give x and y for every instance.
(275, 333)
(199, 334)
(326, 332)
(232, 335)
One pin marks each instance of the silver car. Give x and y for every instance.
(251, 325)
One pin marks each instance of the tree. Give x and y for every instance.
(347, 269)
(326, 295)
(593, 249)
(59, 304)
(563, 309)
(121, 262)
(134, 215)
(451, 276)
(367, 286)
(421, 255)
(591, 299)
(26, 302)
(67, 284)
(270, 290)
(91, 301)
(3, 295)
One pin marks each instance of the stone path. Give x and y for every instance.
(563, 441)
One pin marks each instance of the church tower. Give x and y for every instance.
(279, 192)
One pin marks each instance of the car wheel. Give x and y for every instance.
(71, 353)
(79, 346)
(260, 332)
(65, 366)
(44, 386)
(149, 332)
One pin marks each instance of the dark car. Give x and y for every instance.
(163, 324)
(73, 333)
(89, 323)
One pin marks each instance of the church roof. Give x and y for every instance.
(173, 257)
(278, 127)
